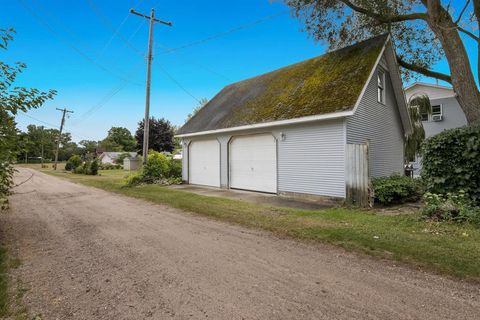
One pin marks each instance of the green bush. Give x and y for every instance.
(109, 166)
(159, 168)
(88, 168)
(73, 162)
(451, 162)
(397, 189)
(93, 168)
(454, 207)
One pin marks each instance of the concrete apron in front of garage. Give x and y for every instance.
(257, 197)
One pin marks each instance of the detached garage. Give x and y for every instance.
(300, 130)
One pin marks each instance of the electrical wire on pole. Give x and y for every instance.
(146, 132)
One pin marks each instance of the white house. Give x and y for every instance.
(446, 111)
(288, 131)
(110, 157)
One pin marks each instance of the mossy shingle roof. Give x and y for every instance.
(325, 84)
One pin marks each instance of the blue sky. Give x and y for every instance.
(70, 48)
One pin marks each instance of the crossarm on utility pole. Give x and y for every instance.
(168, 23)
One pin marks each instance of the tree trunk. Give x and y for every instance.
(463, 81)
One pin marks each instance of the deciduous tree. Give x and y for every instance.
(423, 32)
(160, 137)
(12, 100)
(119, 139)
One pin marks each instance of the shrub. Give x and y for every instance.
(396, 189)
(454, 207)
(159, 168)
(73, 162)
(451, 162)
(80, 169)
(108, 166)
(93, 168)
(88, 168)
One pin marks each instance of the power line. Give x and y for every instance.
(60, 37)
(107, 97)
(117, 30)
(198, 65)
(224, 33)
(178, 83)
(107, 23)
(52, 126)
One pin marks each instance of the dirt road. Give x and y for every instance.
(90, 254)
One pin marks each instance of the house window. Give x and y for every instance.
(437, 110)
(381, 86)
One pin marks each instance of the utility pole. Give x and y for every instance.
(42, 148)
(64, 111)
(146, 123)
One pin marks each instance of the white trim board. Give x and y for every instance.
(334, 115)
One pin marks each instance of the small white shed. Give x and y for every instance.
(131, 164)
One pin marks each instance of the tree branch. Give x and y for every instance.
(462, 12)
(468, 33)
(385, 18)
(424, 71)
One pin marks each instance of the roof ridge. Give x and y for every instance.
(327, 83)
(339, 50)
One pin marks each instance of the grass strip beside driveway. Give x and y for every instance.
(447, 248)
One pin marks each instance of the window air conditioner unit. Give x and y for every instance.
(437, 117)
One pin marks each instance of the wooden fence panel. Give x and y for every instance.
(357, 175)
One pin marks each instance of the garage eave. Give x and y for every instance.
(307, 119)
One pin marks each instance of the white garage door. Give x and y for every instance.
(204, 163)
(253, 163)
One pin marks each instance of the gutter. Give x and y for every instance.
(335, 115)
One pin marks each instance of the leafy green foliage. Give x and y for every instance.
(118, 139)
(88, 146)
(454, 207)
(12, 100)
(73, 162)
(413, 142)
(109, 166)
(396, 189)
(338, 25)
(160, 137)
(88, 167)
(451, 162)
(159, 168)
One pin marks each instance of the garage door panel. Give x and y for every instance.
(204, 163)
(253, 163)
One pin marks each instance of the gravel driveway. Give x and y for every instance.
(90, 254)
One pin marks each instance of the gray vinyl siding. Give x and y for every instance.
(311, 159)
(453, 117)
(381, 125)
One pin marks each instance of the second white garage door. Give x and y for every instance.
(204, 163)
(253, 163)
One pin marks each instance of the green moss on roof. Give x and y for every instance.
(325, 84)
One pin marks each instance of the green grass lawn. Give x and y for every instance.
(442, 247)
